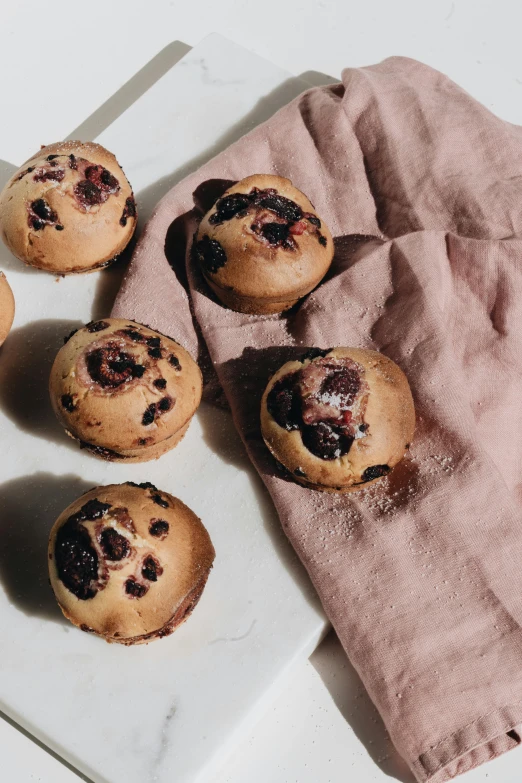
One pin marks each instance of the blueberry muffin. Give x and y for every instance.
(7, 308)
(262, 246)
(338, 419)
(125, 392)
(68, 209)
(128, 562)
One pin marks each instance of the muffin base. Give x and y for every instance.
(75, 270)
(258, 305)
(324, 487)
(144, 454)
(337, 490)
(181, 614)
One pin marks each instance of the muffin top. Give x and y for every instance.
(124, 558)
(119, 385)
(339, 417)
(69, 208)
(263, 239)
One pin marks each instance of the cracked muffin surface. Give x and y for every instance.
(128, 562)
(69, 208)
(262, 246)
(338, 419)
(124, 391)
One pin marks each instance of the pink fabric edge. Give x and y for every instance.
(479, 742)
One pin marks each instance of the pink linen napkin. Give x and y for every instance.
(420, 575)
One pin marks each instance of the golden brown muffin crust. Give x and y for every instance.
(128, 562)
(378, 410)
(262, 246)
(69, 208)
(123, 390)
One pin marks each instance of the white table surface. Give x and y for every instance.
(60, 60)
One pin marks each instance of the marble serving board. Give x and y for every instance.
(171, 710)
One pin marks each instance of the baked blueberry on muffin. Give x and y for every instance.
(262, 246)
(7, 308)
(123, 391)
(339, 419)
(128, 562)
(68, 209)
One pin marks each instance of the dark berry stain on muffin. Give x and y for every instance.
(114, 546)
(67, 401)
(87, 193)
(41, 214)
(111, 367)
(122, 517)
(75, 555)
(134, 588)
(283, 207)
(160, 501)
(277, 232)
(154, 347)
(24, 173)
(156, 409)
(102, 178)
(174, 361)
(76, 560)
(129, 211)
(158, 528)
(151, 569)
(93, 509)
(210, 254)
(313, 219)
(148, 416)
(133, 334)
(283, 402)
(322, 240)
(96, 326)
(326, 441)
(143, 485)
(72, 162)
(160, 383)
(341, 386)
(52, 157)
(58, 228)
(45, 174)
(326, 401)
(165, 404)
(237, 204)
(96, 187)
(376, 471)
(230, 206)
(313, 353)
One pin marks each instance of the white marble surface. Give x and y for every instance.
(307, 735)
(174, 707)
